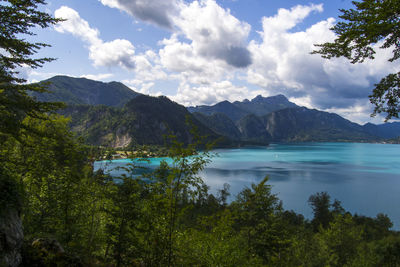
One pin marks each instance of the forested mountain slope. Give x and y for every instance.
(143, 120)
(261, 106)
(113, 114)
(85, 91)
(303, 124)
(284, 121)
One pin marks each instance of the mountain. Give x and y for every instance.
(253, 130)
(143, 120)
(112, 114)
(387, 130)
(276, 119)
(83, 91)
(225, 107)
(261, 106)
(241, 120)
(220, 124)
(237, 110)
(394, 140)
(302, 124)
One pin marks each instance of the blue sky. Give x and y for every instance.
(206, 51)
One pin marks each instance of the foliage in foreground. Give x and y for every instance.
(167, 217)
(371, 24)
(162, 218)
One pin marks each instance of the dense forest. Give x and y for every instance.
(73, 216)
(56, 211)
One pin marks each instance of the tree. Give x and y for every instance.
(320, 204)
(124, 214)
(17, 18)
(370, 23)
(214, 242)
(182, 182)
(258, 212)
(56, 175)
(338, 244)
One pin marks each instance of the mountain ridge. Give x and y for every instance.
(144, 120)
(113, 114)
(83, 91)
(261, 106)
(235, 111)
(315, 126)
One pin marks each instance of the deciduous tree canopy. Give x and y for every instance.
(371, 22)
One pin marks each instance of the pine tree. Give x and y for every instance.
(17, 19)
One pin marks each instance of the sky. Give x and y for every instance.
(207, 51)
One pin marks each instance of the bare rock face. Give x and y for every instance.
(122, 138)
(11, 238)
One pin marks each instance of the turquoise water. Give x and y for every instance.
(364, 177)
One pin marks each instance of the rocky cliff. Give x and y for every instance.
(11, 237)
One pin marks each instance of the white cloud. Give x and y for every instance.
(208, 51)
(205, 52)
(145, 88)
(207, 45)
(98, 77)
(190, 95)
(359, 112)
(304, 101)
(148, 67)
(287, 19)
(76, 25)
(158, 12)
(35, 76)
(115, 53)
(282, 57)
(214, 33)
(23, 72)
(283, 64)
(180, 57)
(141, 87)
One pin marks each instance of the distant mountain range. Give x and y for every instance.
(112, 114)
(276, 119)
(258, 106)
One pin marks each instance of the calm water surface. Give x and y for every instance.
(364, 177)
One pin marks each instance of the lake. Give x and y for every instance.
(364, 177)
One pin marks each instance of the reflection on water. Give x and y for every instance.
(364, 177)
